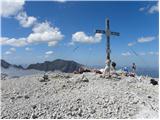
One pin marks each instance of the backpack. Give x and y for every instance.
(113, 64)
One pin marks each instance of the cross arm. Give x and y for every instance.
(101, 31)
(115, 33)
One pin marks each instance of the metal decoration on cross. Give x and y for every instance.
(108, 33)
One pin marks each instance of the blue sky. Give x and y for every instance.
(71, 27)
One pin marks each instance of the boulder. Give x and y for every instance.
(84, 79)
(153, 82)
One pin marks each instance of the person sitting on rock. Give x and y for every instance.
(126, 71)
(82, 70)
(134, 68)
(106, 69)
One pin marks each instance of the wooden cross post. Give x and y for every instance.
(108, 34)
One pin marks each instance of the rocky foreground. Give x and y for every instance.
(78, 96)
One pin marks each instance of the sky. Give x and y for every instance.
(41, 31)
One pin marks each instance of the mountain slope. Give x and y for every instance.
(62, 65)
(6, 65)
(16, 70)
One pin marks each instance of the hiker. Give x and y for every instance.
(106, 69)
(113, 66)
(133, 67)
(126, 71)
(82, 70)
(79, 71)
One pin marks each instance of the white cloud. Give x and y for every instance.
(49, 52)
(126, 54)
(15, 8)
(81, 37)
(11, 7)
(146, 39)
(154, 8)
(13, 42)
(12, 49)
(153, 53)
(143, 39)
(142, 9)
(131, 44)
(8, 52)
(150, 9)
(44, 32)
(43, 27)
(25, 20)
(52, 43)
(28, 49)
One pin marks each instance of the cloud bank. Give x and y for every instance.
(11, 7)
(42, 32)
(13, 41)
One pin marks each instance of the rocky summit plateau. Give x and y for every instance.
(67, 95)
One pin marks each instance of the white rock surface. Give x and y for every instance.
(68, 96)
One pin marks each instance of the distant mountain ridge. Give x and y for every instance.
(59, 64)
(5, 64)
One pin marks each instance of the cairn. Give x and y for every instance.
(45, 78)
